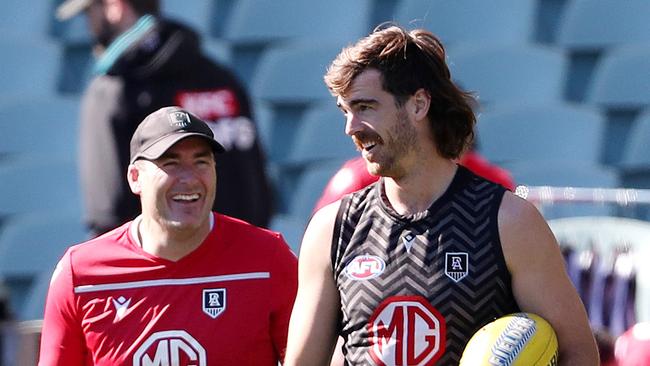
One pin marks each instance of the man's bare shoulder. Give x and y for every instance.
(517, 212)
(318, 235)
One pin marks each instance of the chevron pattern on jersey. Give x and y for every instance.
(457, 238)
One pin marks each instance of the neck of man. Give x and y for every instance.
(418, 189)
(169, 243)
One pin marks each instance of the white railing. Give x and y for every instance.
(547, 195)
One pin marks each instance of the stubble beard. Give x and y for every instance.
(399, 143)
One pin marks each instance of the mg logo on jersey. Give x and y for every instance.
(456, 265)
(406, 330)
(214, 302)
(170, 348)
(365, 267)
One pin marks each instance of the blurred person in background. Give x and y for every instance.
(145, 62)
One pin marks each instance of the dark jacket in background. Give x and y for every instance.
(159, 63)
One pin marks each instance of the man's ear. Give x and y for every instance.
(133, 177)
(421, 103)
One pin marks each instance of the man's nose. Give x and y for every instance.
(352, 124)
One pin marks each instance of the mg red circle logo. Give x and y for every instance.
(406, 330)
(172, 347)
(365, 267)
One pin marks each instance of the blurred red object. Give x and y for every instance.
(633, 347)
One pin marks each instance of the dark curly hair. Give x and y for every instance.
(409, 61)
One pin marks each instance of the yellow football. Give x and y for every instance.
(521, 339)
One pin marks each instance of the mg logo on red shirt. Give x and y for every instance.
(170, 348)
(365, 267)
(406, 330)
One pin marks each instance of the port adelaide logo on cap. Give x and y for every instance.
(179, 119)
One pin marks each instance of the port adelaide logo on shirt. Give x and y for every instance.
(456, 265)
(214, 301)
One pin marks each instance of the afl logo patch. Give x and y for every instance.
(365, 267)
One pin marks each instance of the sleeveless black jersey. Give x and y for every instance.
(415, 288)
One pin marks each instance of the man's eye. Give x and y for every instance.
(169, 163)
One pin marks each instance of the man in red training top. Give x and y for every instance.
(180, 284)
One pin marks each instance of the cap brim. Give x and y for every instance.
(70, 8)
(158, 148)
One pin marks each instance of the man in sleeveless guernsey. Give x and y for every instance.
(409, 268)
(180, 284)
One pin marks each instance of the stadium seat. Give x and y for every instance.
(582, 27)
(635, 164)
(25, 19)
(553, 131)
(584, 32)
(40, 125)
(563, 173)
(34, 303)
(28, 67)
(636, 156)
(32, 243)
(38, 182)
(468, 21)
(254, 25)
(549, 14)
(263, 21)
(290, 79)
(382, 11)
(309, 188)
(606, 233)
(622, 80)
(510, 73)
(76, 69)
(291, 227)
(217, 50)
(621, 86)
(321, 137)
(306, 62)
(198, 14)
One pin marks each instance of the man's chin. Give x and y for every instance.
(183, 223)
(374, 168)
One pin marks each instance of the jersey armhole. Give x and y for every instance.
(501, 258)
(336, 233)
(336, 250)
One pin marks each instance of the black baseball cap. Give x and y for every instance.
(165, 127)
